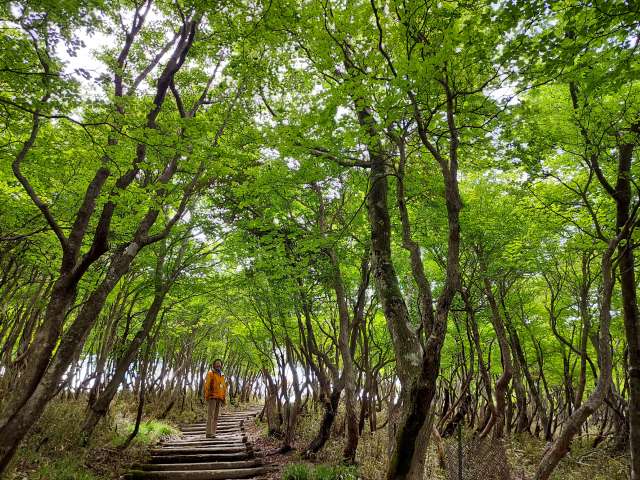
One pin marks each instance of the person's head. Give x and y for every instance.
(217, 364)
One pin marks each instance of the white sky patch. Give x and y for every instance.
(96, 42)
(85, 59)
(292, 163)
(269, 153)
(342, 112)
(505, 94)
(318, 89)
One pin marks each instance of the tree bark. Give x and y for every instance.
(573, 424)
(324, 432)
(631, 315)
(497, 422)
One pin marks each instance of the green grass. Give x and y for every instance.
(55, 449)
(296, 471)
(63, 468)
(150, 432)
(303, 471)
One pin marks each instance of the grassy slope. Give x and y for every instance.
(524, 453)
(54, 450)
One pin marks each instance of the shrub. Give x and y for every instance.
(301, 471)
(150, 432)
(296, 471)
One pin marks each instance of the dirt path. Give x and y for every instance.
(194, 457)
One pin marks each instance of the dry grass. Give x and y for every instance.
(54, 449)
(582, 463)
(523, 453)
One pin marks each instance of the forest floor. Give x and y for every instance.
(54, 448)
(54, 451)
(523, 452)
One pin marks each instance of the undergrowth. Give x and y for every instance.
(305, 471)
(523, 452)
(150, 431)
(54, 449)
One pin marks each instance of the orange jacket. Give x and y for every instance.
(215, 386)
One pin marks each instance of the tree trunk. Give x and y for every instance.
(270, 405)
(573, 424)
(629, 299)
(497, 422)
(348, 376)
(291, 410)
(14, 428)
(324, 432)
(101, 405)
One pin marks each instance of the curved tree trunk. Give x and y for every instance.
(573, 424)
(100, 406)
(324, 432)
(497, 421)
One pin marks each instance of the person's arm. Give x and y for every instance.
(207, 385)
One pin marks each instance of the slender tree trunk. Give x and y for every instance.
(101, 405)
(522, 424)
(623, 196)
(498, 422)
(141, 398)
(292, 411)
(270, 404)
(573, 424)
(585, 315)
(348, 376)
(324, 432)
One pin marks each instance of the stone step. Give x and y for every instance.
(209, 445)
(205, 445)
(219, 433)
(220, 424)
(202, 436)
(188, 450)
(227, 427)
(205, 441)
(198, 465)
(222, 418)
(237, 415)
(219, 430)
(234, 417)
(219, 427)
(204, 425)
(198, 474)
(229, 436)
(230, 421)
(202, 457)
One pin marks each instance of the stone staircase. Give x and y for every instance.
(195, 457)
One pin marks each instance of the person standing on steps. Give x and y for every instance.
(215, 390)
